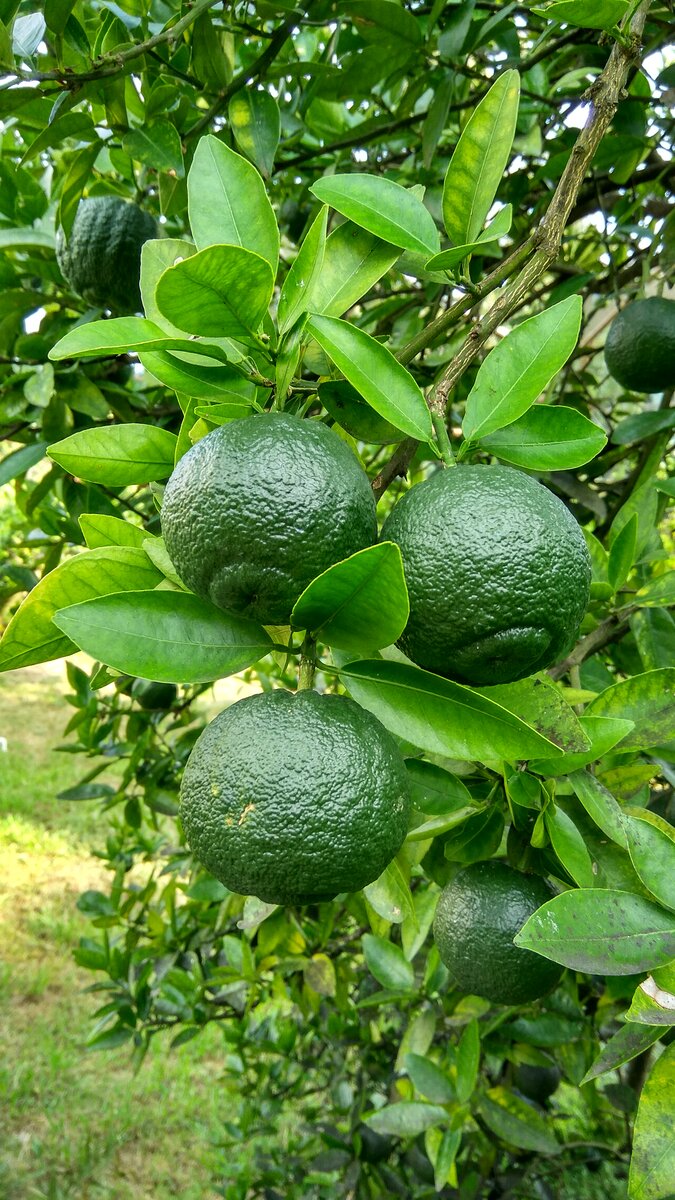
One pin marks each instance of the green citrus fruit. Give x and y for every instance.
(295, 798)
(477, 917)
(259, 507)
(497, 570)
(152, 696)
(640, 345)
(101, 260)
(537, 1083)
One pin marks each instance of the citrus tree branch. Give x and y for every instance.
(604, 96)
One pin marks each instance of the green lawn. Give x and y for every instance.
(75, 1124)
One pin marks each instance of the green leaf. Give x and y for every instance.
(228, 204)
(648, 701)
(304, 274)
(630, 1041)
(652, 1168)
(653, 856)
(77, 125)
(121, 335)
(27, 239)
(31, 636)
(256, 125)
(117, 455)
(601, 931)
(406, 1119)
(479, 160)
(156, 145)
(602, 732)
(622, 554)
(353, 262)
(515, 373)
(170, 637)
(376, 375)
(390, 895)
(539, 701)
(343, 403)
(361, 603)
(449, 260)
(429, 1080)
(156, 255)
(658, 593)
(652, 1005)
(388, 964)
(382, 207)
(476, 839)
(319, 975)
(515, 1121)
(585, 14)
(468, 1061)
(222, 291)
(102, 530)
(569, 846)
(434, 791)
(440, 716)
(20, 461)
(384, 20)
(600, 805)
(643, 425)
(547, 438)
(198, 381)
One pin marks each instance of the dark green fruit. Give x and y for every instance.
(259, 507)
(537, 1083)
(152, 696)
(640, 345)
(101, 260)
(497, 570)
(295, 798)
(477, 917)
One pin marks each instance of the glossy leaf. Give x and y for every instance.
(376, 375)
(156, 255)
(652, 1168)
(319, 974)
(440, 716)
(156, 145)
(547, 438)
(538, 701)
(515, 373)
(123, 335)
(117, 455)
(256, 125)
(642, 425)
(622, 554)
(222, 291)
(303, 276)
(602, 732)
(353, 262)
(601, 931)
(652, 1005)
(228, 204)
(382, 207)
(648, 701)
(390, 895)
(586, 14)
(658, 593)
(387, 963)
(600, 805)
(653, 856)
(626, 1044)
(406, 1119)
(479, 160)
(359, 603)
(435, 791)
(196, 380)
(101, 530)
(31, 636)
(449, 260)
(349, 410)
(569, 846)
(516, 1122)
(171, 637)
(468, 1061)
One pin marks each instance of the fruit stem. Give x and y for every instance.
(307, 664)
(443, 439)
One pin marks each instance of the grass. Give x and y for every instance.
(77, 1125)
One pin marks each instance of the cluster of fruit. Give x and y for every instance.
(295, 798)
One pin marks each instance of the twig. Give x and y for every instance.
(604, 95)
(609, 630)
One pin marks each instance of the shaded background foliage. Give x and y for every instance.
(337, 1010)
